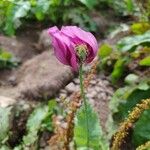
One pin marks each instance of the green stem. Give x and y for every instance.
(84, 101)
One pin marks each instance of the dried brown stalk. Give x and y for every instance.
(128, 123)
(64, 135)
(144, 146)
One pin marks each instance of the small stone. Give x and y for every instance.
(100, 83)
(93, 82)
(92, 101)
(76, 81)
(70, 87)
(12, 80)
(106, 82)
(42, 142)
(63, 91)
(6, 101)
(63, 95)
(47, 148)
(64, 125)
(97, 89)
(91, 94)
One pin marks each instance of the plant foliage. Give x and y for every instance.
(7, 60)
(4, 124)
(130, 43)
(94, 134)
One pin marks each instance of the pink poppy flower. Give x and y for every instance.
(69, 42)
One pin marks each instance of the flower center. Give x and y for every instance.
(81, 52)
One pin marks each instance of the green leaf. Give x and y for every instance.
(7, 60)
(39, 119)
(34, 124)
(21, 10)
(5, 56)
(124, 100)
(131, 42)
(4, 147)
(140, 28)
(95, 136)
(130, 5)
(47, 122)
(131, 79)
(9, 26)
(105, 50)
(145, 61)
(90, 4)
(118, 69)
(141, 132)
(41, 9)
(4, 123)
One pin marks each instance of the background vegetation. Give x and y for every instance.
(126, 63)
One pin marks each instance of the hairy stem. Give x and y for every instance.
(84, 102)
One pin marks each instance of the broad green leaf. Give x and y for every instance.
(145, 61)
(124, 100)
(105, 50)
(94, 134)
(135, 97)
(141, 132)
(131, 42)
(4, 123)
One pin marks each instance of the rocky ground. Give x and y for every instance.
(99, 93)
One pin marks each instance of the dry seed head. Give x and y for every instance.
(128, 123)
(144, 146)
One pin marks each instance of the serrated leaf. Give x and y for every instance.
(40, 118)
(34, 124)
(131, 42)
(94, 134)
